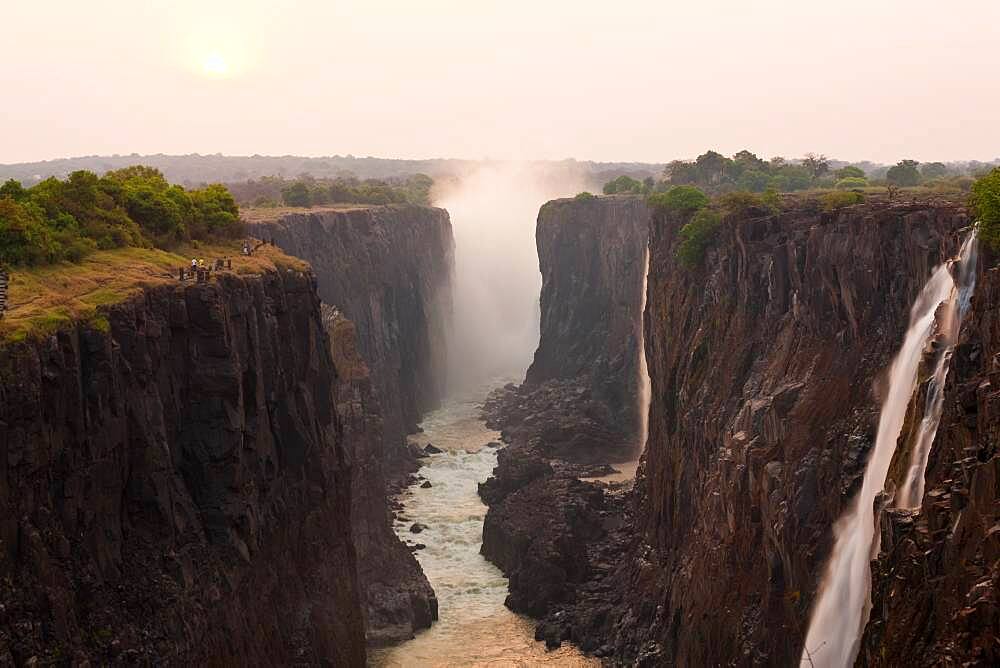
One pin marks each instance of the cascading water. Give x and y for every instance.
(949, 323)
(842, 609)
(645, 389)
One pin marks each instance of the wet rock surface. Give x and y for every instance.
(937, 577)
(585, 368)
(176, 489)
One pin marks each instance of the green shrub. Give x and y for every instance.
(849, 182)
(697, 236)
(58, 220)
(584, 196)
(679, 200)
(850, 172)
(840, 199)
(772, 200)
(986, 204)
(624, 185)
(741, 203)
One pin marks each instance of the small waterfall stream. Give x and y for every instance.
(645, 389)
(843, 604)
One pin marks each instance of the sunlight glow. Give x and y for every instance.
(214, 64)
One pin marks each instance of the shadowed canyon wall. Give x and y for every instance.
(388, 270)
(579, 397)
(385, 273)
(176, 488)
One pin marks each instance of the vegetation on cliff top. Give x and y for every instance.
(306, 191)
(44, 298)
(59, 220)
(986, 203)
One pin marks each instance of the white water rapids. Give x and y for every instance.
(474, 629)
(841, 611)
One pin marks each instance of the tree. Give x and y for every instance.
(850, 172)
(817, 165)
(904, 173)
(679, 172)
(680, 200)
(623, 185)
(697, 236)
(986, 203)
(851, 182)
(711, 167)
(14, 190)
(296, 194)
(933, 170)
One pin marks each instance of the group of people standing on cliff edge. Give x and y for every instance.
(4, 280)
(200, 270)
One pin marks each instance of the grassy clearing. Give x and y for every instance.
(43, 299)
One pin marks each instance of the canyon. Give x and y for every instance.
(261, 437)
(767, 366)
(386, 271)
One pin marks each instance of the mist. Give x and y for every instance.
(497, 281)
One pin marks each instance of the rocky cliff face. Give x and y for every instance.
(577, 406)
(176, 489)
(936, 580)
(579, 395)
(386, 273)
(388, 270)
(397, 598)
(765, 403)
(766, 367)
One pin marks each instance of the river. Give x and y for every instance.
(474, 629)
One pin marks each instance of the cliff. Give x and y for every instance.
(937, 577)
(577, 406)
(591, 254)
(388, 270)
(385, 271)
(767, 366)
(175, 484)
(764, 371)
(396, 596)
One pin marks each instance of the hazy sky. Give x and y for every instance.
(638, 80)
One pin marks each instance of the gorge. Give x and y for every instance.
(362, 442)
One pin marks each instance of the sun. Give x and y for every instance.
(215, 64)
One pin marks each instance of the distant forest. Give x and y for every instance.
(194, 170)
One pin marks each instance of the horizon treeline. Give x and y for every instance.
(67, 219)
(745, 171)
(307, 191)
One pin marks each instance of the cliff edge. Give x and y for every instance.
(175, 484)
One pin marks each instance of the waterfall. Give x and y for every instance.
(843, 605)
(949, 323)
(645, 391)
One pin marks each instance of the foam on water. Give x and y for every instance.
(474, 629)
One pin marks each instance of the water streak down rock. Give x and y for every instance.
(843, 603)
(763, 362)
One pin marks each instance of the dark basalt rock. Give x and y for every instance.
(761, 420)
(429, 449)
(176, 489)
